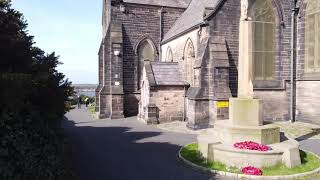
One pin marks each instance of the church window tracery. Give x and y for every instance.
(264, 41)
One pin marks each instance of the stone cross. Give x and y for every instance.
(244, 9)
(245, 78)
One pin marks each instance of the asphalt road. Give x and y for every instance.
(126, 149)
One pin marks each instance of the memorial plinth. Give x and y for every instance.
(246, 119)
(246, 112)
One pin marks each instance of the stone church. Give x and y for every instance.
(177, 60)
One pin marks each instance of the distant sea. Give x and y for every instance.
(85, 89)
(87, 93)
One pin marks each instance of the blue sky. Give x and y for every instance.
(71, 28)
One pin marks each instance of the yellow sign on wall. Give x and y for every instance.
(223, 104)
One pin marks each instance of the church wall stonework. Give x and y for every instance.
(307, 85)
(143, 21)
(139, 21)
(170, 103)
(178, 46)
(308, 105)
(226, 23)
(275, 104)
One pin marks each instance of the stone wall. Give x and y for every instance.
(100, 78)
(178, 45)
(307, 85)
(130, 104)
(275, 104)
(226, 23)
(197, 114)
(105, 69)
(308, 98)
(139, 22)
(170, 103)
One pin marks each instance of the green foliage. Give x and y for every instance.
(83, 97)
(309, 161)
(192, 154)
(34, 98)
(74, 100)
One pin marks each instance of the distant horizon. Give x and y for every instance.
(71, 30)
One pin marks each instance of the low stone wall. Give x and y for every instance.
(243, 158)
(170, 103)
(275, 104)
(308, 98)
(197, 114)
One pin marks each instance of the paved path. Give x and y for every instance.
(126, 150)
(129, 150)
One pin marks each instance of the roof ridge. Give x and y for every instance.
(182, 26)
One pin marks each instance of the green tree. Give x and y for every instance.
(33, 96)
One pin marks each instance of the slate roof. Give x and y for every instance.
(193, 16)
(167, 74)
(166, 3)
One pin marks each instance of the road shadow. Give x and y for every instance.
(125, 153)
(314, 132)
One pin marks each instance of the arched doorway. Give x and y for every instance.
(146, 51)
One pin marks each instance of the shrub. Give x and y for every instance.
(34, 99)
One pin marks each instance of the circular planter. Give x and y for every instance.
(243, 176)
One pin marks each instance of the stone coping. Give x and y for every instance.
(230, 148)
(227, 124)
(241, 176)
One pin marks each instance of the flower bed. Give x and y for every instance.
(252, 146)
(310, 162)
(252, 171)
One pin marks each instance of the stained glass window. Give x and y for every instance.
(264, 43)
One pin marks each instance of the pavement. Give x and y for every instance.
(126, 149)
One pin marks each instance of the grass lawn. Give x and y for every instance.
(309, 163)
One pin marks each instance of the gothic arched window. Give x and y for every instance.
(264, 41)
(312, 37)
(146, 51)
(189, 57)
(169, 56)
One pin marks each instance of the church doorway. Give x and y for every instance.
(146, 51)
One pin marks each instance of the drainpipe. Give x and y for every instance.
(160, 38)
(184, 103)
(293, 52)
